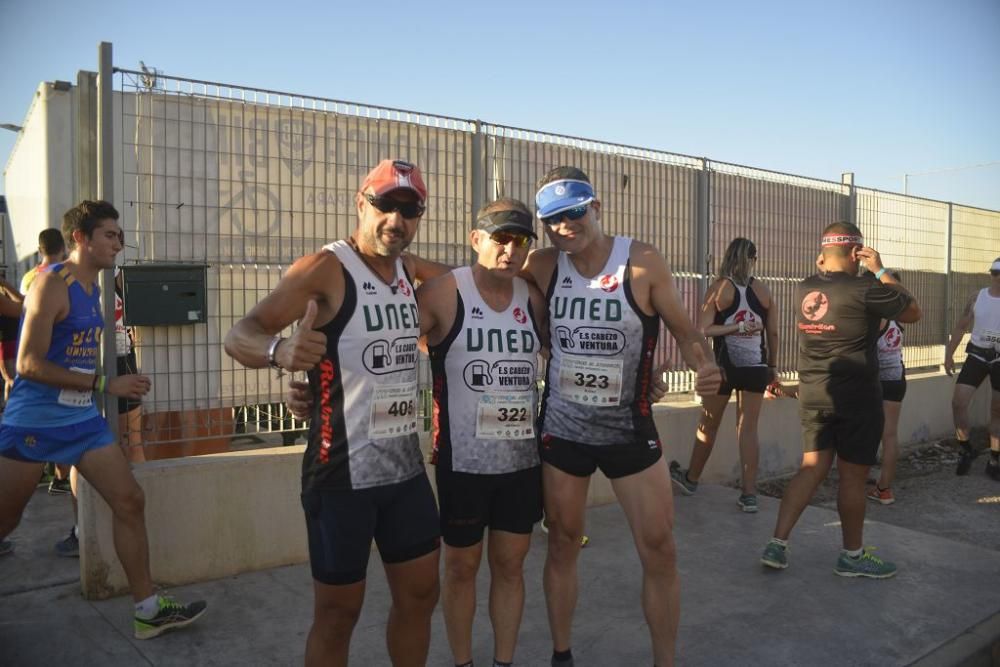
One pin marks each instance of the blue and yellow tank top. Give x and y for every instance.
(75, 345)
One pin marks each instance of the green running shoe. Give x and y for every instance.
(171, 615)
(775, 555)
(679, 477)
(748, 503)
(865, 565)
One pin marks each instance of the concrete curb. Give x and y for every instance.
(978, 646)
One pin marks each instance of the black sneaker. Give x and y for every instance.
(59, 487)
(965, 457)
(993, 469)
(69, 547)
(171, 615)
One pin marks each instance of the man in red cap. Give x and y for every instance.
(363, 474)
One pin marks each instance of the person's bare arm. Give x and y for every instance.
(306, 292)
(539, 267)
(540, 311)
(771, 329)
(48, 304)
(437, 302)
(423, 269)
(666, 301)
(11, 292)
(9, 307)
(962, 325)
(872, 261)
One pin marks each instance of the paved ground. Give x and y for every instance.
(734, 612)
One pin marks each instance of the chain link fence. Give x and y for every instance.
(246, 181)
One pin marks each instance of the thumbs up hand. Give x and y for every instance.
(303, 349)
(708, 376)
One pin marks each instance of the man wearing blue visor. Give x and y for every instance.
(606, 297)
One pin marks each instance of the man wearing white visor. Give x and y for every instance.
(606, 297)
(982, 316)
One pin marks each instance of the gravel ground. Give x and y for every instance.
(929, 496)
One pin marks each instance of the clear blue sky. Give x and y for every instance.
(878, 87)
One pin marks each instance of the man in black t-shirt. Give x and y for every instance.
(840, 397)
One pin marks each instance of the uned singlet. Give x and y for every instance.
(364, 427)
(484, 383)
(741, 349)
(75, 344)
(597, 384)
(984, 341)
(890, 352)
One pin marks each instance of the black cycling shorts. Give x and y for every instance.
(581, 460)
(744, 378)
(894, 390)
(470, 503)
(340, 523)
(975, 370)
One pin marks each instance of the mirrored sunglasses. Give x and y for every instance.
(574, 213)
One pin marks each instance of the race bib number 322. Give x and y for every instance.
(591, 381)
(506, 416)
(393, 411)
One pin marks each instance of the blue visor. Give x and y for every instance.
(559, 196)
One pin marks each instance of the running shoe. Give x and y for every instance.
(6, 547)
(881, 496)
(965, 457)
(59, 487)
(748, 503)
(171, 615)
(70, 546)
(679, 477)
(993, 469)
(865, 565)
(775, 555)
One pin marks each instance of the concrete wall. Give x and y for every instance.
(219, 515)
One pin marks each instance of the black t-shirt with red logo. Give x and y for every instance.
(838, 323)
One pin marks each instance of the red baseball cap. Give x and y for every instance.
(392, 175)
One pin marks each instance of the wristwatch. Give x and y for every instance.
(272, 351)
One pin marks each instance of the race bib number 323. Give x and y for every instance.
(591, 381)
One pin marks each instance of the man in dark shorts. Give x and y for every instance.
(51, 414)
(606, 297)
(840, 397)
(363, 474)
(485, 327)
(981, 316)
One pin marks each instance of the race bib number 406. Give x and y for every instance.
(393, 411)
(506, 416)
(591, 381)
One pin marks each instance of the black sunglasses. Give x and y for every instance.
(503, 238)
(407, 209)
(994, 273)
(572, 214)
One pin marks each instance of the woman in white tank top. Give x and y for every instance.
(740, 316)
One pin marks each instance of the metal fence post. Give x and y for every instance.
(478, 167)
(847, 178)
(948, 292)
(703, 231)
(86, 135)
(105, 191)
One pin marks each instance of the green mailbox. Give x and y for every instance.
(164, 294)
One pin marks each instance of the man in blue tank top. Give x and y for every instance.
(51, 415)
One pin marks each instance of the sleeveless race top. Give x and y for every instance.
(75, 344)
(985, 327)
(597, 384)
(484, 383)
(890, 352)
(123, 341)
(364, 427)
(741, 349)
